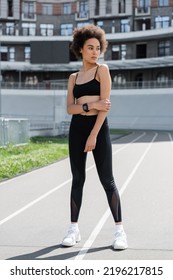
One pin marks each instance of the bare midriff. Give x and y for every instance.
(88, 99)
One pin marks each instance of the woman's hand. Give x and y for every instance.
(90, 143)
(103, 105)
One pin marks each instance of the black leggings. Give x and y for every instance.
(80, 129)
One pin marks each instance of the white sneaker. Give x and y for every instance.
(72, 237)
(120, 240)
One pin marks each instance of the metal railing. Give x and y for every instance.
(143, 84)
(61, 85)
(41, 85)
(13, 131)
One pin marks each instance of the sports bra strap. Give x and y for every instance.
(96, 72)
(94, 75)
(76, 77)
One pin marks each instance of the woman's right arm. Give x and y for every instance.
(72, 107)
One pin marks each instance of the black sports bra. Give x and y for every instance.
(89, 88)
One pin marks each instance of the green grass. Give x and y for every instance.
(39, 152)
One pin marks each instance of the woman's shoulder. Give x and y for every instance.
(103, 67)
(72, 77)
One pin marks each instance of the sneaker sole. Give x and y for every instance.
(71, 244)
(120, 248)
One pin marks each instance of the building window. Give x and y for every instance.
(47, 9)
(10, 8)
(141, 50)
(125, 27)
(46, 29)
(100, 23)
(143, 6)
(4, 52)
(162, 78)
(113, 26)
(108, 6)
(28, 29)
(10, 28)
(123, 52)
(118, 52)
(163, 3)
(28, 10)
(67, 8)
(161, 22)
(11, 54)
(115, 52)
(81, 24)
(164, 48)
(97, 8)
(27, 54)
(121, 6)
(83, 9)
(66, 29)
(7, 53)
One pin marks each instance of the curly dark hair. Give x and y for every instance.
(80, 35)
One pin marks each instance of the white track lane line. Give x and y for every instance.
(8, 218)
(33, 202)
(102, 221)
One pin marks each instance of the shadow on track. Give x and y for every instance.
(38, 255)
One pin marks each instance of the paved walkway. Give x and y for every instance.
(34, 208)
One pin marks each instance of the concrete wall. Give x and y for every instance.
(45, 109)
(142, 109)
(130, 109)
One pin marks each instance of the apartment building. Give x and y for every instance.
(35, 38)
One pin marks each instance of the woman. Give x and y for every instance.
(88, 103)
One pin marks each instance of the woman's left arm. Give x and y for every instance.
(105, 89)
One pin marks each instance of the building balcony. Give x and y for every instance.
(13, 34)
(144, 63)
(82, 16)
(114, 37)
(29, 16)
(129, 64)
(142, 11)
(29, 38)
(140, 35)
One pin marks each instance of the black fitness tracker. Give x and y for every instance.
(85, 107)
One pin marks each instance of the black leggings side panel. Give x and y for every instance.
(103, 159)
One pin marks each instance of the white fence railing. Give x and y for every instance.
(62, 85)
(14, 131)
